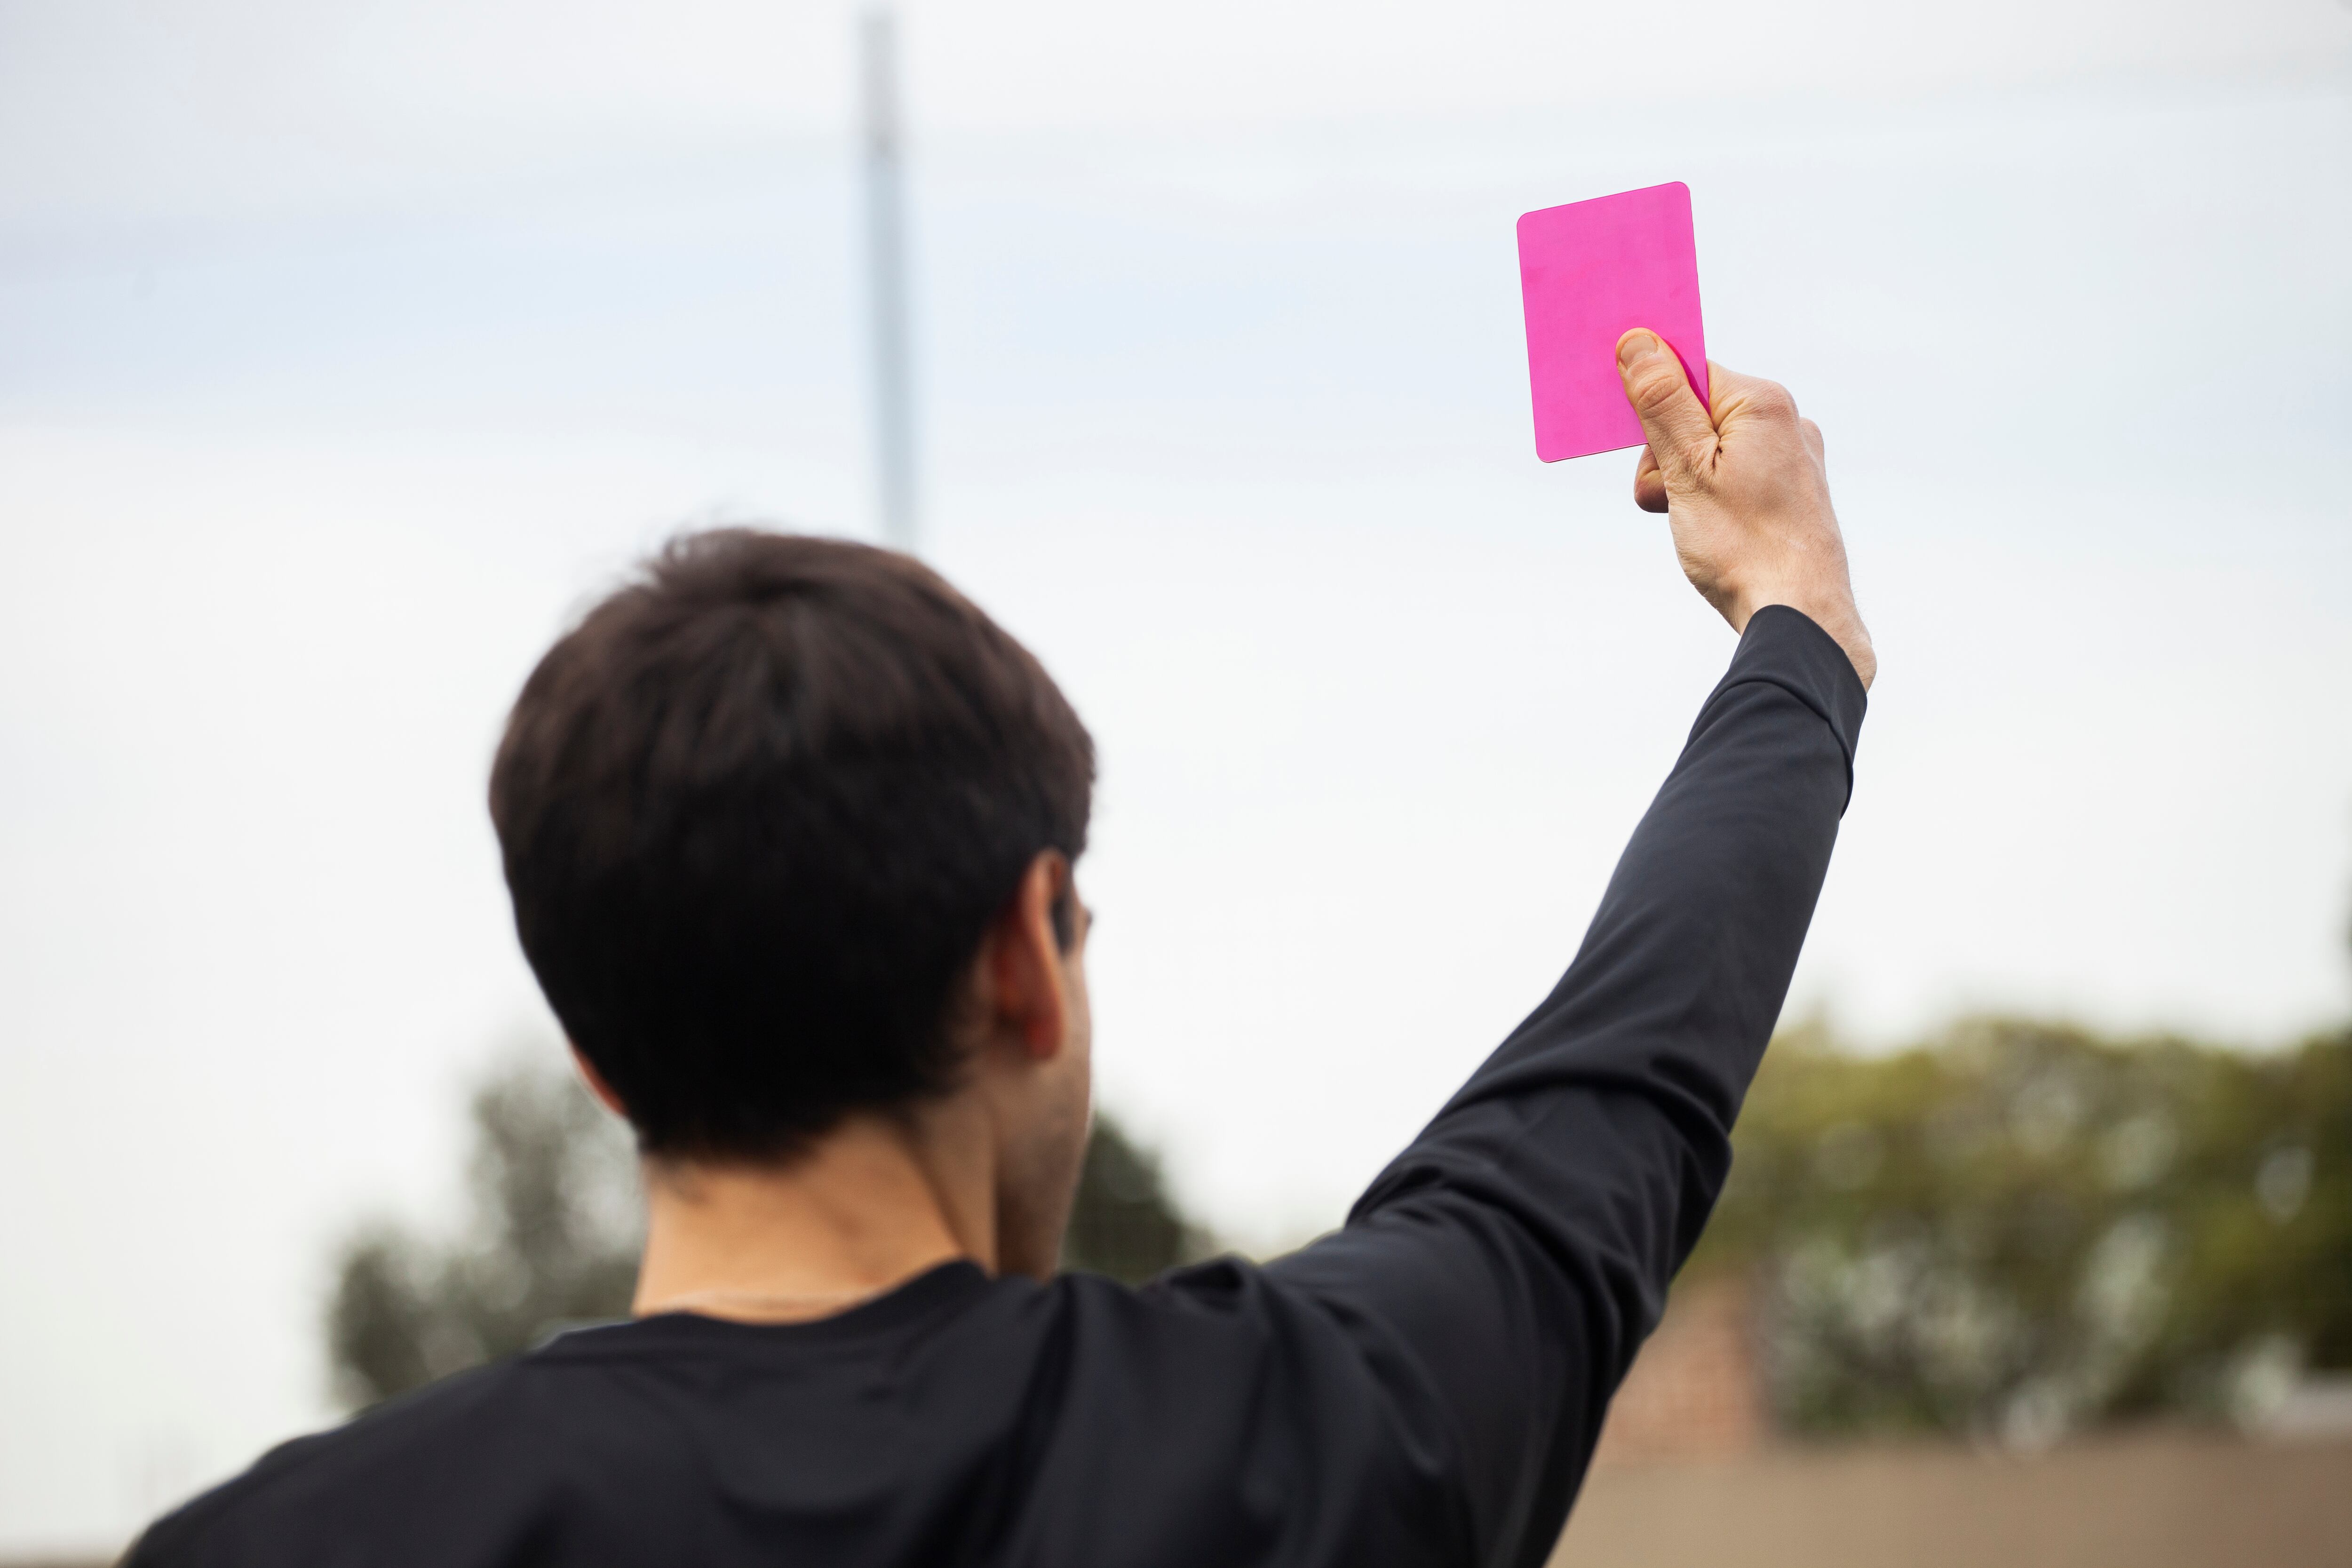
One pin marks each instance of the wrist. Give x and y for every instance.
(1834, 614)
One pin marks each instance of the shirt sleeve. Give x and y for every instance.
(1498, 1277)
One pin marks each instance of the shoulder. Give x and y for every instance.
(1225, 1406)
(286, 1497)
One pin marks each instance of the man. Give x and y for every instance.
(790, 828)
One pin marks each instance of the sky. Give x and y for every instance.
(346, 352)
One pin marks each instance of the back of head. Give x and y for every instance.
(756, 811)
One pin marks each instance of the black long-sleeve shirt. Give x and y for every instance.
(1423, 1386)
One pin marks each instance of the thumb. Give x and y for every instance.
(1681, 435)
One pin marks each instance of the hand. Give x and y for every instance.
(1747, 492)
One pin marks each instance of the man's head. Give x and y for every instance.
(780, 817)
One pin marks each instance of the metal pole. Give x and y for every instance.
(885, 247)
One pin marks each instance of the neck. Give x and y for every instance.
(874, 1203)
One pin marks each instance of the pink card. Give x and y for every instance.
(1589, 273)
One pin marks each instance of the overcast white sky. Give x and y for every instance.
(343, 349)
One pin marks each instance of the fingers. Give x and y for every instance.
(1814, 444)
(1681, 435)
(1649, 485)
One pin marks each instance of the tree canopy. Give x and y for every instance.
(2018, 1228)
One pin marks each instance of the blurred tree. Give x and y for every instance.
(555, 1227)
(1124, 1223)
(2020, 1228)
(553, 1238)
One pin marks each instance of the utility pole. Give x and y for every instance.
(885, 257)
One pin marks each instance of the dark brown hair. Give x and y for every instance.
(757, 812)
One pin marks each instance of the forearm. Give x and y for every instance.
(1519, 1250)
(1683, 972)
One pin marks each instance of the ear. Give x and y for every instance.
(1028, 987)
(596, 1084)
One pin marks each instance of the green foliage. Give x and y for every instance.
(553, 1240)
(2019, 1228)
(1124, 1223)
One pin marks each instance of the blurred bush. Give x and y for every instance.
(2018, 1228)
(556, 1226)
(552, 1239)
(1124, 1223)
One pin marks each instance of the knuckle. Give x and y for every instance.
(1771, 400)
(1655, 388)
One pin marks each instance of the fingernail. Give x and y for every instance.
(1635, 346)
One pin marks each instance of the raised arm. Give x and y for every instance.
(1499, 1276)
